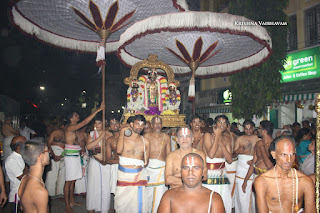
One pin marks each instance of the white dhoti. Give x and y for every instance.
(81, 184)
(218, 181)
(72, 162)
(6, 152)
(114, 177)
(244, 202)
(130, 192)
(231, 174)
(156, 184)
(98, 190)
(56, 176)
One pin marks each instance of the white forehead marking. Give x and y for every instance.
(184, 131)
(157, 119)
(190, 162)
(140, 122)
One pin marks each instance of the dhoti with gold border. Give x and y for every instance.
(156, 184)
(218, 181)
(130, 192)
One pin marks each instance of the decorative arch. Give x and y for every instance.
(151, 62)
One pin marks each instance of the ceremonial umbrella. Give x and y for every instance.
(200, 44)
(83, 24)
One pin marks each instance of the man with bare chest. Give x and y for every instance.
(132, 179)
(160, 147)
(56, 176)
(173, 160)
(191, 196)
(98, 187)
(261, 158)
(218, 151)
(32, 191)
(196, 132)
(112, 155)
(283, 188)
(72, 157)
(244, 201)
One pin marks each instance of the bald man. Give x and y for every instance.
(191, 196)
(282, 188)
(16, 169)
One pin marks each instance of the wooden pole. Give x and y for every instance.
(104, 35)
(103, 148)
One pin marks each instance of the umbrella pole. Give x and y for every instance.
(104, 35)
(103, 111)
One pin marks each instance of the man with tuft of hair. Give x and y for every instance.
(191, 196)
(32, 191)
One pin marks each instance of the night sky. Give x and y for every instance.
(27, 63)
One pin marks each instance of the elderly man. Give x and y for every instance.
(160, 147)
(32, 191)
(173, 160)
(191, 196)
(132, 179)
(283, 188)
(16, 169)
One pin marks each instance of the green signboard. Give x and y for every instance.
(302, 65)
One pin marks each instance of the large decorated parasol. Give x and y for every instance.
(200, 44)
(75, 24)
(87, 25)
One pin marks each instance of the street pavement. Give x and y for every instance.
(56, 205)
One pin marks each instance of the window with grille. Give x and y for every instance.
(312, 26)
(292, 33)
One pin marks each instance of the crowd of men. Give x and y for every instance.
(134, 168)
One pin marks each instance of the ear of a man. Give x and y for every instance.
(273, 154)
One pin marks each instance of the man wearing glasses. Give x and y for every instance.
(32, 191)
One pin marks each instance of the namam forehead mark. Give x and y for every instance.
(157, 119)
(141, 123)
(185, 131)
(114, 121)
(190, 161)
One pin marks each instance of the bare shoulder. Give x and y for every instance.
(173, 155)
(147, 135)
(306, 181)
(199, 152)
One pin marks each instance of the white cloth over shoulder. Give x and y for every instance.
(244, 202)
(156, 183)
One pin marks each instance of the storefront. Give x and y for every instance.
(301, 83)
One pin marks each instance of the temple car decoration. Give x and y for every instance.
(154, 94)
